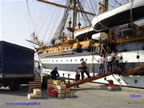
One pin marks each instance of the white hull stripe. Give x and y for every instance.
(128, 57)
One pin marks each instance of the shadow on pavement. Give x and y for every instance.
(24, 91)
(21, 92)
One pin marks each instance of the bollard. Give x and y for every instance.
(63, 78)
(68, 78)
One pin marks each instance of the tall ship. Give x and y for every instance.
(118, 28)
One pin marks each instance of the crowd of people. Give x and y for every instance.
(106, 64)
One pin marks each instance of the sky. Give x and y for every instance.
(18, 22)
(14, 27)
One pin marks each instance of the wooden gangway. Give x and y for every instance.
(130, 72)
(134, 70)
(92, 78)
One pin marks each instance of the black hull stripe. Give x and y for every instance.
(129, 46)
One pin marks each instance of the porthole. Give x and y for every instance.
(121, 57)
(138, 56)
(135, 81)
(119, 79)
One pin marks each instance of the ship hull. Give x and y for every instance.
(129, 81)
(67, 63)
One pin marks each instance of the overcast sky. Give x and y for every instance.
(18, 23)
(14, 24)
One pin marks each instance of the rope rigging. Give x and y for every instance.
(94, 10)
(117, 2)
(44, 20)
(30, 19)
(63, 22)
(47, 18)
(134, 29)
(83, 14)
(51, 19)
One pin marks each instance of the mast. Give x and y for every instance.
(105, 5)
(74, 17)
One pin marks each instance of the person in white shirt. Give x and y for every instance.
(109, 61)
(38, 71)
(101, 65)
(116, 62)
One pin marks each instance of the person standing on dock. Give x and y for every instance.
(113, 54)
(54, 74)
(83, 67)
(101, 65)
(77, 77)
(38, 71)
(109, 61)
(116, 62)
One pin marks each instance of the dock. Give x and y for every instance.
(87, 96)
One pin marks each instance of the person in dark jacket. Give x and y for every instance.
(54, 74)
(83, 67)
(77, 76)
